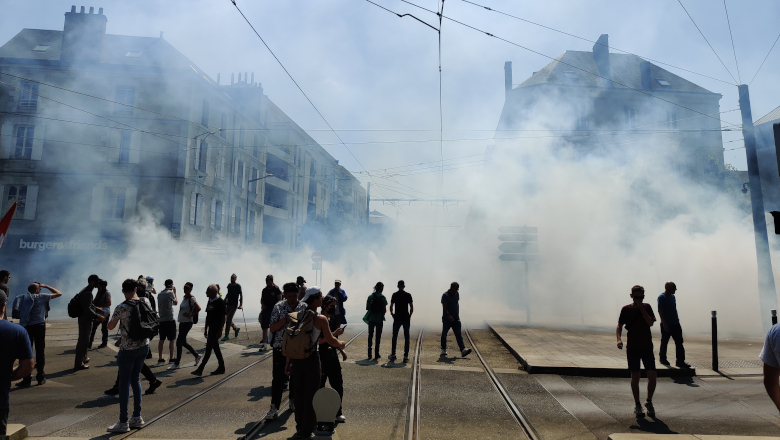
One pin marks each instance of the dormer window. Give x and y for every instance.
(41, 48)
(572, 76)
(663, 82)
(133, 54)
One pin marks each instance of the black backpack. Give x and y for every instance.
(143, 321)
(74, 306)
(376, 305)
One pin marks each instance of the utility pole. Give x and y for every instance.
(766, 281)
(368, 201)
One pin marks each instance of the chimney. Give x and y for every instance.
(507, 76)
(644, 70)
(601, 56)
(82, 36)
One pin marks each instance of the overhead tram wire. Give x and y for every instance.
(708, 42)
(591, 41)
(765, 58)
(562, 62)
(732, 41)
(302, 92)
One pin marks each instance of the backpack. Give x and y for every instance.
(296, 342)
(376, 305)
(143, 321)
(194, 316)
(16, 308)
(74, 306)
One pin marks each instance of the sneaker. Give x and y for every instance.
(292, 406)
(683, 365)
(341, 419)
(198, 372)
(465, 352)
(392, 358)
(272, 413)
(650, 409)
(235, 331)
(161, 361)
(103, 345)
(26, 382)
(226, 338)
(156, 384)
(148, 355)
(41, 381)
(197, 359)
(173, 366)
(219, 370)
(638, 410)
(136, 422)
(664, 362)
(406, 359)
(119, 427)
(443, 352)
(113, 391)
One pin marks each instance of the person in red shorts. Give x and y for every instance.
(638, 317)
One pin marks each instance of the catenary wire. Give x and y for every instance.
(594, 42)
(765, 58)
(734, 49)
(708, 42)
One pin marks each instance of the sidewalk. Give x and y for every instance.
(589, 352)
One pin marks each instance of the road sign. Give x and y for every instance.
(518, 237)
(518, 229)
(316, 266)
(316, 257)
(518, 257)
(519, 247)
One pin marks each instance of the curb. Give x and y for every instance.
(16, 431)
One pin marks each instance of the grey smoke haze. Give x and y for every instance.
(366, 69)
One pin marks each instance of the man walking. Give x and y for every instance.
(234, 301)
(401, 309)
(215, 320)
(670, 326)
(376, 306)
(88, 314)
(103, 304)
(451, 319)
(165, 302)
(341, 296)
(32, 312)
(15, 345)
(279, 320)
(270, 296)
(638, 317)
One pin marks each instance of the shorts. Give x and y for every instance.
(265, 318)
(167, 330)
(646, 357)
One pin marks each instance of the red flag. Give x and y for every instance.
(6, 222)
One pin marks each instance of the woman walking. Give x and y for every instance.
(329, 356)
(376, 306)
(188, 314)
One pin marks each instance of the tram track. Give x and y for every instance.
(412, 431)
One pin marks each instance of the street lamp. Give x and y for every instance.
(246, 223)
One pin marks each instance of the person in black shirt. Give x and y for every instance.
(638, 317)
(234, 300)
(270, 296)
(329, 355)
(103, 302)
(401, 309)
(88, 315)
(215, 320)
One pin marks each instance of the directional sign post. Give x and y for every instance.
(520, 243)
(316, 259)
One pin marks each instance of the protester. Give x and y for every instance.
(638, 317)
(166, 300)
(329, 355)
(670, 326)
(215, 320)
(32, 312)
(270, 296)
(102, 302)
(234, 301)
(88, 314)
(401, 309)
(279, 320)
(451, 319)
(5, 277)
(341, 296)
(130, 359)
(301, 287)
(305, 373)
(770, 356)
(376, 306)
(148, 292)
(188, 309)
(14, 345)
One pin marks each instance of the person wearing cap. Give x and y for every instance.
(305, 374)
(341, 296)
(301, 287)
(270, 296)
(15, 345)
(89, 314)
(32, 312)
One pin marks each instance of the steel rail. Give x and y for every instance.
(514, 410)
(412, 431)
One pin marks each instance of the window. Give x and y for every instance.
(18, 194)
(663, 82)
(671, 118)
(251, 223)
(24, 142)
(254, 175)
(196, 206)
(28, 97)
(323, 193)
(204, 117)
(237, 220)
(221, 164)
(133, 54)
(124, 146)
(240, 174)
(223, 125)
(216, 215)
(241, 137)
(113, 203)
(255, 146)
(277, 166)
(41, 48)
(630, 117)
(200, 164)
(572, 76)
(126, 96)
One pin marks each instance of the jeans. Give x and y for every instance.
(371, 326)
(212, 343)
(103, 327)
(37, 333)
(306, 374)
(397, 324)
(675, 332)
(181, 341)
(146, 372)
(455, 326)
(130, 363)
(85, 328)
(331, 371)
(279, 378)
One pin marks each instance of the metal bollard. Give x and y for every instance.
(774, 316)
(714, 340)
